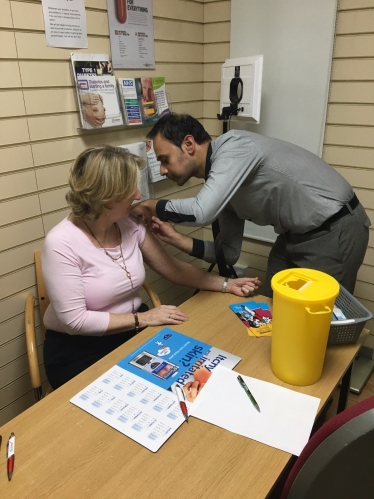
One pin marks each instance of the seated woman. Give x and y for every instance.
(93, 267)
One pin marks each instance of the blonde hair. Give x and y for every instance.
(100, 174)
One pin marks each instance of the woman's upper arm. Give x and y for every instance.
(155, 255)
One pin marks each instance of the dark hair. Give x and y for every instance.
(174, 127)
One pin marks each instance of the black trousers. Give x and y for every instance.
(336, 248)
(67, 355)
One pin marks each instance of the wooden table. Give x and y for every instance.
(63, 452)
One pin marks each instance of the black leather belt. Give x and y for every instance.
(353, 203)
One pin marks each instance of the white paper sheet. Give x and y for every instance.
(65, 23)
(285, 421)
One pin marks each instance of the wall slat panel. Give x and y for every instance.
(358, 21)
(354, 46)
(353, 69)
(11, 104)
(355, 4)
(15, 158)
(345, 114)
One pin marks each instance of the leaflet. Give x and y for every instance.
(133, 406)
(255, 316)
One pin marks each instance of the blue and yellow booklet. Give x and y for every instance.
(255, 316)
(171, 358)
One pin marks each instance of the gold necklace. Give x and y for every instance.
(123, 267)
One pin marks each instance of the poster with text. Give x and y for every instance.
(131, 33)
(65, 23)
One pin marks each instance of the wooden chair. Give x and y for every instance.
(338, 460)
(31, 343)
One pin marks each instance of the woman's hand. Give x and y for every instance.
(166, 233)
(244, 286)
(165, 314)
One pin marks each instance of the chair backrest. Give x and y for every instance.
(338, 460)
(42, 292)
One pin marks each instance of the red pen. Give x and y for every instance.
(182, 404)
(10, 454)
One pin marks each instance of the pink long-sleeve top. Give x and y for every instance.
(84, 285)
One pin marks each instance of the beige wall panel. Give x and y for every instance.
(53, 200)
(18, 209)
(217, 11)
(354, 46)
(364, 290)
(179, 9)
(16, 282)
(5, 15)
(14, 370)
(16, 258)
(177, 52)
(357, 177)
(12, 410)
(358, 136)
(355, 4)
(12, 328)
(15, 158)
(216, 52)
(11, 351)
(15, 390)
(351, 114)
(11, 104)
(213, 126)
(17, 184)
(7, 45)
(211, 109)
(178, 31)
(95, 4)
(256, 247)
(366, 198)
(212, 72)
(217, 32)
(27, 16)
(369, 257)
(355, 22)
(355, 92)
(15, 305)
(53, 176)
(12, 72)
(348, 156)
(371, 244)
(32, 46)
(195, 109)
(52, 219)
(181, 92)
(186, 193)
(13, 131)
(45, 74)
(353, 69)
(20, 233)
(53, 127)
(165, 188)
(59, 151)
(366, 274)
(46, 101)
(97, 23)
(212, 91)
(173, 72)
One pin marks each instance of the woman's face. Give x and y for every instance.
(121, 209)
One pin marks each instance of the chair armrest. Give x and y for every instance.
(152, 294)
(31, 345)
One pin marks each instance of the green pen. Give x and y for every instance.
(248, 392)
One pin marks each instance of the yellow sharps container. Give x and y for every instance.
(302, 308)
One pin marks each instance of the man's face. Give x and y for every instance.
(176, 164)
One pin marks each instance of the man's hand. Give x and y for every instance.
(167, 234)
(145, 209)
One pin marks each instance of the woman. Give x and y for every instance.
(93, 267)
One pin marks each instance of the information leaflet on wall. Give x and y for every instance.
(65, 23)
(131, 33)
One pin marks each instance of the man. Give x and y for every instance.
(320, 222)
